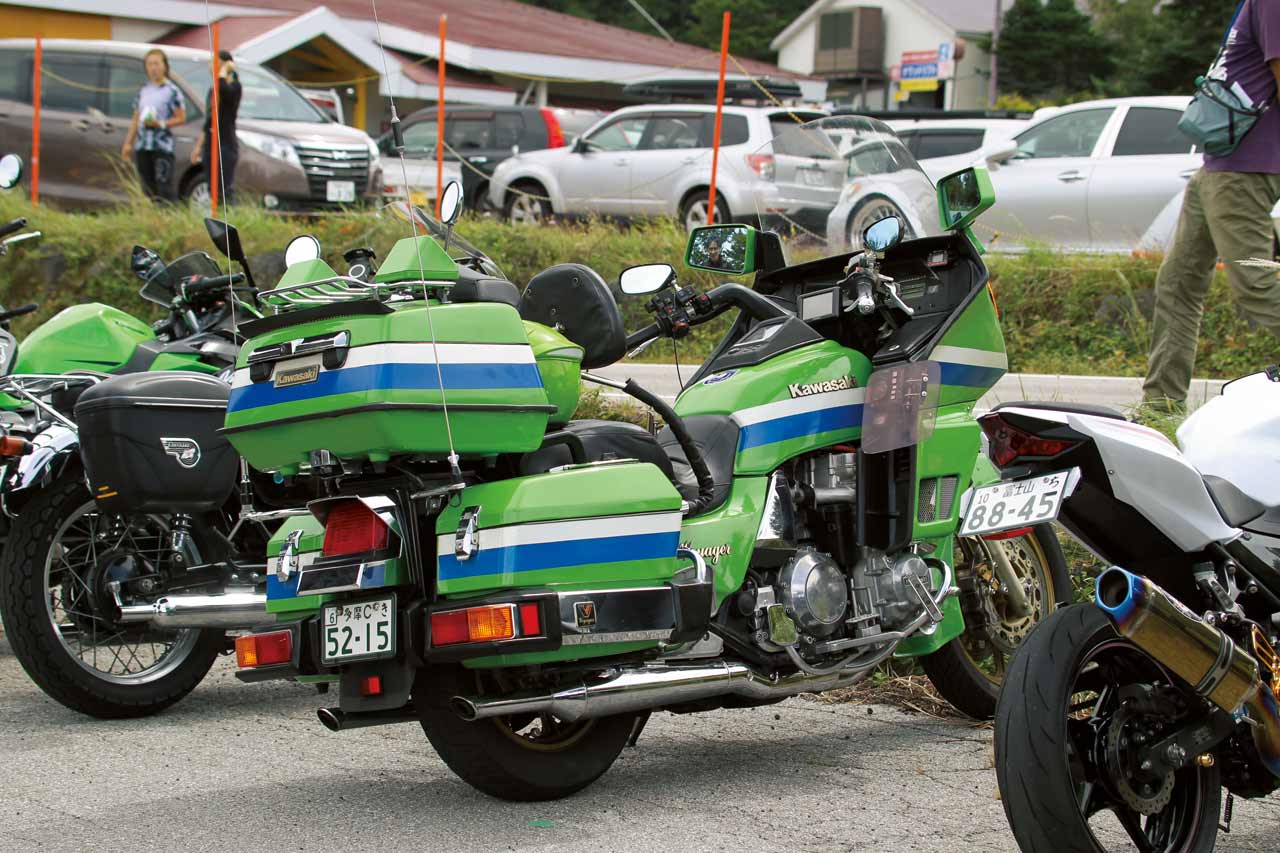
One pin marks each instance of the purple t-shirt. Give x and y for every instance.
(1253, 42)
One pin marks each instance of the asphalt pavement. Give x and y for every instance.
(248, 767)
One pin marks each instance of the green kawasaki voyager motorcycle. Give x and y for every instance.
(530, 588)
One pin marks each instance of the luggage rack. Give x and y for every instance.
(341, 288)
(34, 387)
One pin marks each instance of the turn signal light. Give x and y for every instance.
(264, 649)
(485, 624)
(353, 528)
(1009, 443)
(13, 446)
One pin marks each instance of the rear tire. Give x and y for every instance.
(969, 670)
(1039, 767)
(493, 756)
(52, 648)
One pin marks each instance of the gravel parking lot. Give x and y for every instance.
(249, 768)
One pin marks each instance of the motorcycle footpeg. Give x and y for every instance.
(926, 600)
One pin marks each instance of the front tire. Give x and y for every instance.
(527, 204)
(51, 598)
(693, 209)
(526, 759)
(969, 670)
(1061, 699)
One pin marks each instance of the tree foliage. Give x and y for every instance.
(755, 22)
(1050, 49)
(1164, 45)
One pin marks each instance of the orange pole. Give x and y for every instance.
(215, 136)
(715, 141)
(440, 121)
(35, 122)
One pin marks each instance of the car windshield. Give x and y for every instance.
(263, 95)
(839, 165)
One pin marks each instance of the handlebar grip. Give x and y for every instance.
(21, 310)
(646, 334)
(10, 227)
(212, 282)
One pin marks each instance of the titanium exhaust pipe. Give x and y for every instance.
(233, 609)
(1202, 656)
(646, 687)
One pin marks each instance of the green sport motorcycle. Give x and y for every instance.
(530, 588)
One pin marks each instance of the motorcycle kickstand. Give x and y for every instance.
(637, 728)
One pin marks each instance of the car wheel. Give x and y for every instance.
(195, 192)
(870, 211)
(693, 209)
(527, 203)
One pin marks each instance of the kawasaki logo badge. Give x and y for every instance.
(185, 450)
(844, 383)
(297, 376)
(584, 614)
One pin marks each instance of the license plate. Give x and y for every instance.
(814, 177)
(341, 191)
(358, 630)
(1020, 503)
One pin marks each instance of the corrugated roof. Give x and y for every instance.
(232, 32)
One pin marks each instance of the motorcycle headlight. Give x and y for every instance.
(275, 147)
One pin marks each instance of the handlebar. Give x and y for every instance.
(10, 227)
(18, 312)
(206, 283)
(721, 299)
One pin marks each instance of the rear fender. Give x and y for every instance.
(52, 450)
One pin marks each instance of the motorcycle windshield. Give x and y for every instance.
(438, 231)
(832, 178)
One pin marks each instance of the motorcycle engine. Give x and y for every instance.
(813, 589)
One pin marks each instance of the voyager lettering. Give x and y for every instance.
(844, 383)
(711, 553)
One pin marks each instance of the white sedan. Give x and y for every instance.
(1099, 176)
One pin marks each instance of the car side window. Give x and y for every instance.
(72, 82)
(1072, 135)
(507, 128)
(15, 77)
(1151, 130)
(125, 77)
(420, 139)
(673, 132)
(946, 143)
(910, 138)
(468, 134)
(624, 134)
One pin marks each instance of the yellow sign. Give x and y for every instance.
(926, 85)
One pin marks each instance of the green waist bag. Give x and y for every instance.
(1215, 119)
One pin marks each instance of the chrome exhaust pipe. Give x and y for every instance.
(1202, 656)
(232, 609)
(338, 720)
(644, 688)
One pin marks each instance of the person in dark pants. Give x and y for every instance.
(229, 92)
(157, 110)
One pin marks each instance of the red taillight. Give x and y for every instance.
(264, 649)
(485, 624)
(555, 136)
(762, 165)
(353, 528)
(14, 446)
(1009, 443)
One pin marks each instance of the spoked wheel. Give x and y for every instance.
(522, 757)
(61, 573)
(969, 670)
(1069, 729)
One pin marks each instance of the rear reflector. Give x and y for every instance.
(353, 528)
(1009, 443)
(485, 624)
(371, 686)
(264, 649)
(13, 446)
(1007, 534)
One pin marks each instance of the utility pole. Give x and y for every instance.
(993, 83)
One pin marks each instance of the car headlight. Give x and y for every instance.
(275, 147)
(375, 156)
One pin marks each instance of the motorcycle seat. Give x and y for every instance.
(716, 437)
(1076, 408)
(1235, 507)
(602, 440)
(471, 289)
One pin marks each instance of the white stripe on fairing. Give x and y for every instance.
(568, 531)
(800, 405)
(418, 353)
(967, 355)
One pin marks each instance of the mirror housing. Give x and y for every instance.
(226, 238)
(999, 152)
(646, 278)
(580, 146)
(451, 203)
(883, 234)
(10, 171)
(963, 196)
(302, 248)
(734, 249)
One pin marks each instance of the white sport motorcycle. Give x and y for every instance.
(1151, 700)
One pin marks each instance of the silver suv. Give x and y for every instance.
(656, 161)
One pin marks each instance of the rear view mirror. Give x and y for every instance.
(1000, 152)
(225, 237)
(883, 235)
(963, 196)
(451, 203)
(301, 248)
(10, 171)
(646, 278)
(722, 248)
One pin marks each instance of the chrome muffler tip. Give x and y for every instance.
(330, 718)
(465, 708)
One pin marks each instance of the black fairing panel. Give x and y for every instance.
(602, 440)
(574, 299)
(716, 437)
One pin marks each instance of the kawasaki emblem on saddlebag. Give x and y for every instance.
(185, 450)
